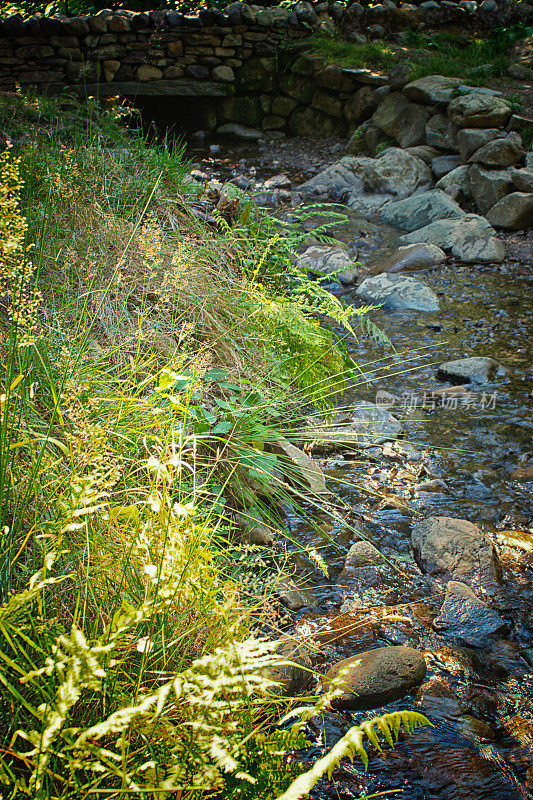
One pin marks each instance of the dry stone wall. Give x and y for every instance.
(238, 58)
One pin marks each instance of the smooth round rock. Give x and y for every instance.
(377, 677)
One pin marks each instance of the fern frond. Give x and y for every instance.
(352, 744)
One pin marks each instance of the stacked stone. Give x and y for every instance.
(468, 136)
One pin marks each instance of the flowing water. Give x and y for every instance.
(467, 456)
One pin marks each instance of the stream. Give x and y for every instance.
(465, 453)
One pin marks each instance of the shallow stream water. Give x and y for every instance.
(469, 457)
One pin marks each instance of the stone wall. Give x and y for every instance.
(238, 57)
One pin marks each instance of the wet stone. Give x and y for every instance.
(465, 619)
(478, 369)
(398, 292)
(444, 545)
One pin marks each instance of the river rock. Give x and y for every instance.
(513, 212)
(465, 619)
(432, 90)
(239, 131)
(409, 257)
(471, 139)
(253, 530)
(487, 186)
(470, 239)
(296, 674)
(377, 677)
(419, 210)
(501, 152)
(398, 292)
(293, 597)
(396, 172)
(479, 110)
(477, 369)
(444, 545)
(299, 468)
(404, 121)
(343, 176)
(328, 259)
(366, 425)
(523, 179)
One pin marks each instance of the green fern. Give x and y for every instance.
(351, 745)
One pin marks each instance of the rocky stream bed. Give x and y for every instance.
(432, 470)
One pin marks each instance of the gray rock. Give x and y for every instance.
(278, 182)
(377, 677)
(457, 177)
(513, 212)
(444, 545)
(488, 186)
(502, 152)
(367, 204)
(366, 426)
(477, 369)
(361, 105)
(398, 292)
(465, 619)
(343, 176)
(328, 259)
(487, 250)
(397, 172)
(404, 121)
(362, 554)
(425, 152)
(479, 110)
(294, 673)
(433, 89)
(419, 210)
(523, 179)
(444, 164)
(305, 13)
(254, 531)
(409, 257)
(471, 139)
(298, 467)
(470, 238)
(293, 597)
(365, 76)
(440, 132)
(239, 131)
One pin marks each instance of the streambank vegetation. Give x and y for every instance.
(156, 338)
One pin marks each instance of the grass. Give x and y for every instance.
(148, 357)
(439, 53)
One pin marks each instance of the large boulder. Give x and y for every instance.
(424, 151)
(404, 121)
(343, 176)
(432, 90)
(465, 619)
(471, 139)
(479, 110)
(457, 177)
(442, 165)
(398, 292)
(448, 546)
(470, 238)
(328, 259)
(502, 152)
(513, 212)
(366, 425)
(398, 173)
(476, 369)
(487, 186)
(419, 210)
(377, 677)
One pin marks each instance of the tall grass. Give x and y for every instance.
(140, 385)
